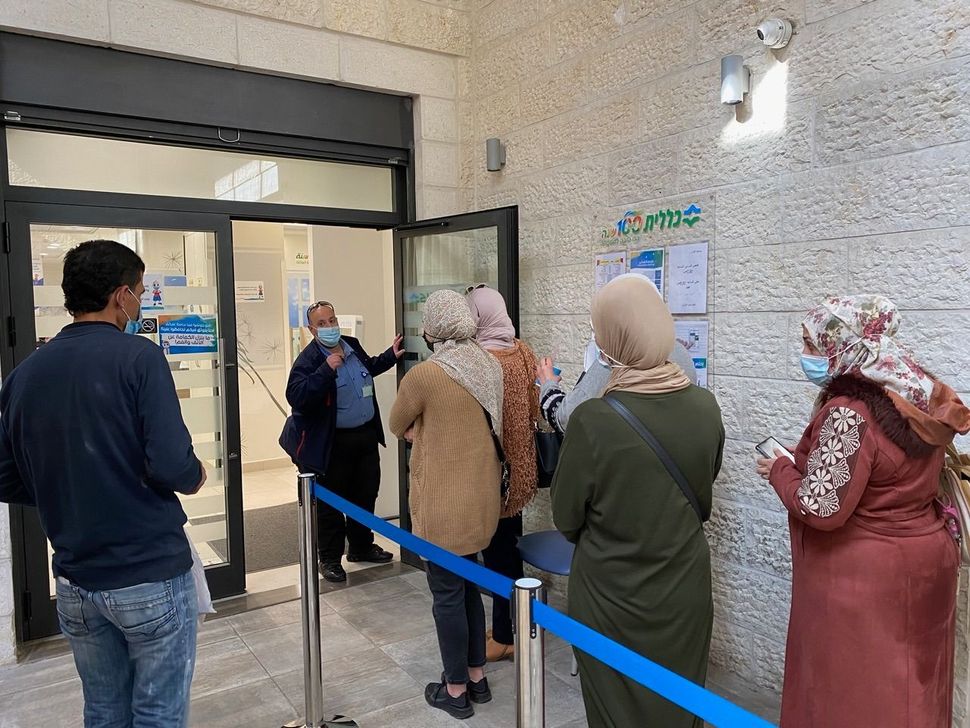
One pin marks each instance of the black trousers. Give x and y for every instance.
(459, 619)
(502, 556)
(354, 474)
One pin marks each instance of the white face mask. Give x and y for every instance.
(611, 362)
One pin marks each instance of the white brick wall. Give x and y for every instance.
(847, 170)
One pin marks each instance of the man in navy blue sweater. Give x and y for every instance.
(91, 433)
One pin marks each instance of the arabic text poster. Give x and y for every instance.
(687, 278)
(650, 265)
(694, 336)
(192, 334)
(608, 266)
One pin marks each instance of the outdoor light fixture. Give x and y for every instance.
(735, 80)
(494, 154)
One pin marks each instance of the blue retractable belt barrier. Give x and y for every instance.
(475, 573)
(678, 690)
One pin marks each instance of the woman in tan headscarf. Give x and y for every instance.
(520, 412)
(641, 573)
(443, 407)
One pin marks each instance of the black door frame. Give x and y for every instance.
(224, 580)
(506, 222)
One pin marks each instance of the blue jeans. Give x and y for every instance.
(134, 649)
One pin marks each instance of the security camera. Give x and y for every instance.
(775, 33)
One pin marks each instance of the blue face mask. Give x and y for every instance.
(816, 368)
(329, 336)
(134, 325)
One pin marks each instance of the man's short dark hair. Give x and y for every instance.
(94, 270)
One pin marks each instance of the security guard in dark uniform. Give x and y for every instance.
(334, 432)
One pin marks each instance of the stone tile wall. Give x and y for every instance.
(847, 169)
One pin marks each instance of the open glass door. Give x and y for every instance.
(189, 311)
(457, 253)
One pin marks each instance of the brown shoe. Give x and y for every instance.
(496, 651)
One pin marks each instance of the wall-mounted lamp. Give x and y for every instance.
(735, 80)
(494, 154)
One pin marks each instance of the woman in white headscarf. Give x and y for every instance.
(641, 573)
(444, 407)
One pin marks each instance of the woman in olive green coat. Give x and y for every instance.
(641, 574)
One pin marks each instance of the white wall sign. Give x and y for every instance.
(687, 278)
(694, 336)
(608, 266)
(250, 292)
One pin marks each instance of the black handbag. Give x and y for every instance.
(547, 455)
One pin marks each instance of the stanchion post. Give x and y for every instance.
(530, 696)
(310, 605)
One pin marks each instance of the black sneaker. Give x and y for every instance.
(436, 694)
(374, 555)
(478, 692)
(333, 571)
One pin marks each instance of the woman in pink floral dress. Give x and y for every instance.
(871, 635)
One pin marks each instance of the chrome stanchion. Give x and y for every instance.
(530, 694)
(310, 598)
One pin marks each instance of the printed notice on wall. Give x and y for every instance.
(687, 278)
(693, 335)
(250, 292)
(193, 334)
(37, 271)
(650, 265)
(154, 295)
(608, 266)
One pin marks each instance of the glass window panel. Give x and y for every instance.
(182, 263)
(455, 260)
(65, 161)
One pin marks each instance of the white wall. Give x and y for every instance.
(353, 269)
(846, 170)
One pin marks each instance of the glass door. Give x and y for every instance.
(188, 310)
(457, 253)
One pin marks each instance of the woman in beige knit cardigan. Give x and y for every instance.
(520, 413)
(455, 490)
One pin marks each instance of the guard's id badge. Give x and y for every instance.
(368, 390)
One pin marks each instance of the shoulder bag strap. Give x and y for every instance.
(499, 450)
(661, 453)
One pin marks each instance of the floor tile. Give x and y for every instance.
(214, 630)
(382, 592)
(409, 617)
(225, 665)
(17, 678)
(62, 705)
(417, 713)
(365, 682)
(280, 649)
(257, 705)
(278, 615)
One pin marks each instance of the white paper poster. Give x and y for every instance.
(608, 266)
(687, 278)
(154, 295)
(694, 336)
(37, 271)
(250, 291)
(649, 264)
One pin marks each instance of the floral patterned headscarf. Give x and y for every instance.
(858, 334)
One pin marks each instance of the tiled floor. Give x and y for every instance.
(379, 650)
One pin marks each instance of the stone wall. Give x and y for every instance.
(408, 47)
(846, 170)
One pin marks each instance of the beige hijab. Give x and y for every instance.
(635, 332)
(448, 322)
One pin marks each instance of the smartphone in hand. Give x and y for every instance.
(767, 448)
